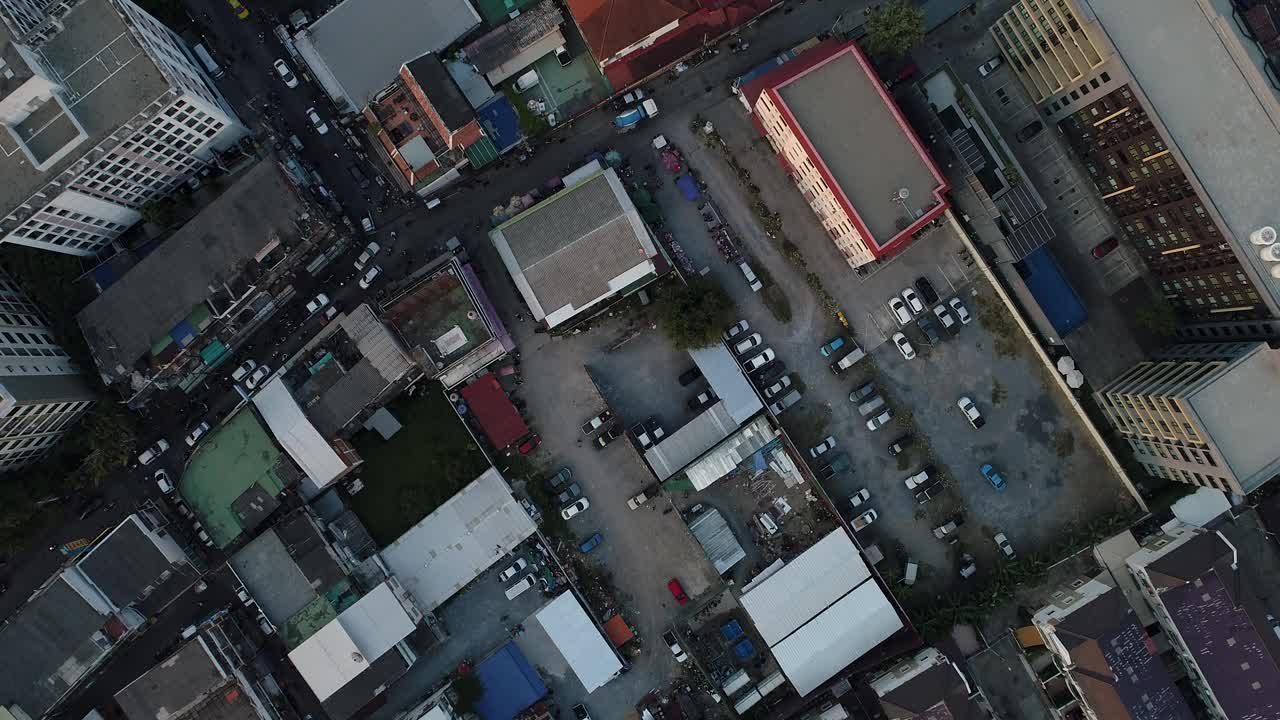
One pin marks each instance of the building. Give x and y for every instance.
(1214, 619)
(871, 183)
(323, 461)
(565, 623)
(503, 52)
(462, 538)
(106, 110)
(448, 323)
(71, 625)
(820, 612)
(187, 304)
(41, 391)
(1104, 656)
(493, 411)
(1179, 128)
(926, 686)
(355, 48)
(577, 249)
(1198, 413)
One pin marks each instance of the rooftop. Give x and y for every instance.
(513, 45)
(576, 248)
(1235, 410)
(493, 410)
(866, 162)
(439, 318)
(232, 479)
(579, 642)
(927, 687)
(132, 566)
(441, 91)
(215, 248)
(610, 26)
(184, 681)
(108, 77)
(319, 461)
(1216, 107)
(363, 43)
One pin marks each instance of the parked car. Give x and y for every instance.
(836, 464)
(670, 639)
(902, 443)
(316, 122)
(612, 433)
(968, 567)
(196, 433)
(578, 506)
(760, 360)
(880, 420)
(580, 712)
(929, 329)
(529, 444)
(948, 527)
(642, 436)
(990, 66)
(282, 69)
(748, 343)
(928, 492)
(926, 290)
(369, 252)
(1105, 247)
(994, 477)
(832, 346)
(775, 389)
(677, 591)
(1002, 542)
(971, 413)
(150, 454)
(786, 401)
(855, 355)
(862, 521)
(860, 497)
(635, 501)
(597, 422)
(944, 316)
(689, 376)
(904, 346)
(366, 224)
(702, 399)
(752, 281)
(356, 174)
(912, 300)
(563, 56)
(899, 309)
(823, 446)
(591, 543)
(370, 275)
(962, 312)
(245, 368)
(506, 575)
(562, 476)
(574, 490)
(257, 377)
(771, 371)
(735, 330)
(241, 11)
(863, 392)
(163, 482)
(920, 479)
(1029, 131)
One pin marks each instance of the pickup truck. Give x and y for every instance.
(929, 492)
(596, 422)
(636, 501)
(629, 119)
(862, 521)
(839, 463)
(948, 529)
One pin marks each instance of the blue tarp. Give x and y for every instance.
(688, 187)
(1055, 297)
(183, 333)
(510, 684)
(500, 123)
(744, 650)
(628, 118)
(731, 630)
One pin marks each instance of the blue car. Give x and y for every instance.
(993, 477)
(591, 543)
(834, 345)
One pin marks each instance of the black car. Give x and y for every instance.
(1029, 131)
(689, 376)
(358, 176)
(897, 446)
(925, 288)
(930, 330)
(613, 433)
(91, 506)
(770, 373)
(571, 492)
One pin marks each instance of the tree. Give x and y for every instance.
(693, 316)
(895, 28)
(1158, 318)
(109, 435)
(467, 691)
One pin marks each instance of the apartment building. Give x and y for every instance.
(106, 110)
(41, 391)
(1177, 126)
(1201, 413)
(871, 183)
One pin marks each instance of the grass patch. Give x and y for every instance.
(531, 124)
(413, 473)
(998, 392)
(777, 302)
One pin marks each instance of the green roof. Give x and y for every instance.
(235, 457)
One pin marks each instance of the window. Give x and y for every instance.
(1094, 82)
(1106, 77)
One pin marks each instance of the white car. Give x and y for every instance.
(990, 66)
(247, 367)
(904, 346)
(282, 68)
(899, 310)
(149, 455)
(823, 446)
(369, 277)
(962, 312)
(971, 413)
(258, 376)
(860, 497)
(197, 433)
(512, 571)
(315, 305)
(760, 360)
(913, 301)
(162, 480)
(366, 223)
(944, 317)
(368, 254)
(574, 509)
(880, 420)
(735, 330)
(775, 389)
(316, 122)
(674, 644)
(1002, 542)
(745, 344)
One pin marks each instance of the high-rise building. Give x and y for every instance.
(41, 391)
(1201, 414)
(105, 110)
(1177, 124)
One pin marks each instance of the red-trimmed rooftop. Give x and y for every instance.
(499, 419)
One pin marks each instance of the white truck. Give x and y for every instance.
(629, 119)
(848, 361)
(864, 520)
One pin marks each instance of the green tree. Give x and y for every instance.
(467, 691)
(693, 316)
(109, 436)
(896, 28)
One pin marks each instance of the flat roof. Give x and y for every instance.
(214, 248)
(440, 318)
(1237, 409)
(1202, 81)
(576, 248)
(235, 460)
(295, 433)
(109, 76)
(459, 540)
(130, 567)
(586, 651)
(363, 43)
(728, 381)
(189, 677)
(491, 407)
(272, 577)
(868, 160)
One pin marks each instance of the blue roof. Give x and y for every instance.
(1053, 294)
(500, 123)
(510, 684)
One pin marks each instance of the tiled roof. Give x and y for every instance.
(609, 26)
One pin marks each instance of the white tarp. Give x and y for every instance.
(576, 637)
(297, 435)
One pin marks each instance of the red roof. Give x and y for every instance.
(498, 418)
(609, 26)
(618, 631)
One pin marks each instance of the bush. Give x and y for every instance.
(777, 302)
(1064, 443)
(693, 316)
(467, 691)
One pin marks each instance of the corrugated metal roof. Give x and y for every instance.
(729, 454)
(717, 540)
(726, 378)
(689, 442)
(296, 434)
(576, 637)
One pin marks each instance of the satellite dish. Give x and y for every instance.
(903, 194)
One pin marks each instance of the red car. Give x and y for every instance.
(1106, 246)
(529, 444)
(677, 591)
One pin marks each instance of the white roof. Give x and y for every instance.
(691, 440)
(821, 611)
(297, 435)
(578, 640)
(342, 649)
(730, 453)
(843, 633)
(459, 540)
(726, 378)
(815, 579)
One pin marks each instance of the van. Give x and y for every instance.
(848, 361)
(207, 61)
(791, 398)
(297, 145)
(750, 275)
(527, 80)
(523, 584)
(871, 405)
(433, 203)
